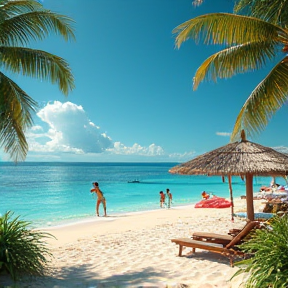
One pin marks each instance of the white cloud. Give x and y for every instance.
(184, 156)
(70, 136)
(70, 130)
(281, 149)
(37, 128)
(225, 134)
(136, 149)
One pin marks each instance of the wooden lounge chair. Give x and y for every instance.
(212, 237)
(229, 250)
(217, 238)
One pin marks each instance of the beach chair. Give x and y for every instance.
(217, 238)
(212, 237)
(229, 250)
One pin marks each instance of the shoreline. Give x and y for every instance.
(94, 218)
(121, 222)
(114, 216)
(127, 221)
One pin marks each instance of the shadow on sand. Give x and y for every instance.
(81, 276)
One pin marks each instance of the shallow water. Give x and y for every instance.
(53, 193)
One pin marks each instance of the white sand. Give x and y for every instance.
(134, 250)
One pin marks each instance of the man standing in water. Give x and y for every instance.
(169, 196)
(100, 198)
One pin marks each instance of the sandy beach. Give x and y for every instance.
(135, 250)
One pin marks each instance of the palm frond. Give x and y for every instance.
(227, 29)
(35, 25)
(15, 7)
(234, 60)
(12, 137)
(265, 100)
(40, 64)
(273, 11)
(15, 117)
(20, 22)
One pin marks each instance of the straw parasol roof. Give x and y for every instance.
(243, 158)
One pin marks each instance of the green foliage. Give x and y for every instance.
(22, 250)
(21, 22)
(273, 11)
(269, 265)
(251, 44)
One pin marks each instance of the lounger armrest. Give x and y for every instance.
(244, 232)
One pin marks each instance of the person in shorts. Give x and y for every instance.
(169, 196)
(162, 199)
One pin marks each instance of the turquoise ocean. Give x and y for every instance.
(49, 194)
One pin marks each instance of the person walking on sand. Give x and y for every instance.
(169, 196)
(100, 198)
(162, 199)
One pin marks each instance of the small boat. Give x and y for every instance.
(134, 181)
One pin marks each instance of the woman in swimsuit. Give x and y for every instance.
(100, 198)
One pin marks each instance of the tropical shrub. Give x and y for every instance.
(269, 264)
(22, 250)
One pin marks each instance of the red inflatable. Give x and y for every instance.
(214, 202)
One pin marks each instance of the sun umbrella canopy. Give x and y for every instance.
(242, 158)
(238, 158)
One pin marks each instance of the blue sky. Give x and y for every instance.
(133, 99)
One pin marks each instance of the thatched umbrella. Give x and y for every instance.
(242, 158)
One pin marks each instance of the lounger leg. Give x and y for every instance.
(180, 250)
(193, 250)
(231, 261)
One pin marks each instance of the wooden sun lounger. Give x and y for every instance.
(212, 237)
(213, 247)
(217, 238)
(228, 250)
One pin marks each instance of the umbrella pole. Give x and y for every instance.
(231, 197)
(249, 196)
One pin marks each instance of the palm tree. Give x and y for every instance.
(22, 21)
(250, 42)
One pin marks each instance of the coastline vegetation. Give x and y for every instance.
(269, 264)
(23, 251)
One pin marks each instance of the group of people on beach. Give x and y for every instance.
(163, 198)
(101, 198)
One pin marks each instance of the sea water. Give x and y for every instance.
(49, 194)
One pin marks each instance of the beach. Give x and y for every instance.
(135, 250)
